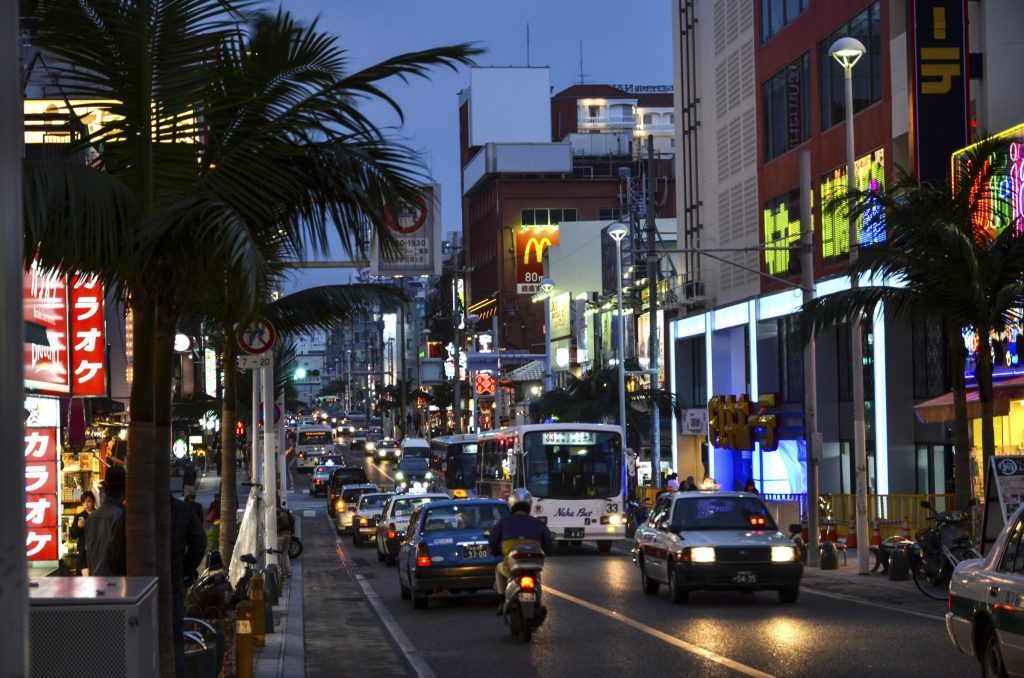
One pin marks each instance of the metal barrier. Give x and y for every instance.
(889, 509)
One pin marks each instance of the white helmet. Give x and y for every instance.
(520, 499)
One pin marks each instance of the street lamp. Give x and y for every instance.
(546, 287)
(617, 233)
(848, 51)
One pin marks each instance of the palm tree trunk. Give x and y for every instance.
(228, 477)
(140, 524)
(163, 352)
(961, 440)
(983, 374)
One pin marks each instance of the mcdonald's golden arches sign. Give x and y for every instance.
(530, 246)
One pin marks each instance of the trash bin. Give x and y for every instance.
(828, 556)
(899, 563)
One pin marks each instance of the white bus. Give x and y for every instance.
(313, 443)
(575, 472)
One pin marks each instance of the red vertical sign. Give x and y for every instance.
(41, 507)
(45, 297)
(88, 343)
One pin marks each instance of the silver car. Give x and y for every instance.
(347, 501)
(368, 512)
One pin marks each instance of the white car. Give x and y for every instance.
(394, 520)
(347, 502)
(985, 598)
(717, 541)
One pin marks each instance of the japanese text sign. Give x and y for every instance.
(88, 344)
(42, 509)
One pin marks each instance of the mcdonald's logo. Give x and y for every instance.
(537, 244)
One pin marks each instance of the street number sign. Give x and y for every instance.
(257, 337)
(253, 362)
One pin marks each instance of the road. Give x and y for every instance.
(600, 621)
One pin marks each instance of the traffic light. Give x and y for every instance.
(300, 373)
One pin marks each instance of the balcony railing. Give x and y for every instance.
(600, 121)
(658, 127)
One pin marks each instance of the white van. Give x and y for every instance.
(313, 442)
(415, 447)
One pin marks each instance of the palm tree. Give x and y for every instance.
(282, 149)
(951, 255)
(595, 398)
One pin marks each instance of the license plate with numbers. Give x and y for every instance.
(528, 597)
(474, 551)
(574, 533)
(744, 577)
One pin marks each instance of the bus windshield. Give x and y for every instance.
(573, 464)
(314, 438)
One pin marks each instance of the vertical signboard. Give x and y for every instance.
(940, 80)
(45, 298)
(88, 343)
(41, 507)
(417, 229)
(531, 243)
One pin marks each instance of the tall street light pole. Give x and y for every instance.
(618, 233)
(546, 287)
(848, 51)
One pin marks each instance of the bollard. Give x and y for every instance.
(243, 640)
(899, 567)
(804, 523)
(828, 556)
(271, 585)
(851, 534)
(259, 610)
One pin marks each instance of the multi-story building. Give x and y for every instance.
(756, 88)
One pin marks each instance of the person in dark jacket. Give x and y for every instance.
(514, 529)
(196, 507)
(77, 530)
(285, 529)
(188, 542)
(103, 542)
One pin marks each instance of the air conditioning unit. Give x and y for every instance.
(93, 626)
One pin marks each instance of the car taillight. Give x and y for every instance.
(422, 556)
(340, 505)
(364, 521)
(392, 531)
(527, 583)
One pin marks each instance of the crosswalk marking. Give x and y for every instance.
(309, 514)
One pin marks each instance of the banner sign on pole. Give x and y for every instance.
(417, 229)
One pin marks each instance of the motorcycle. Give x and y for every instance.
(524, 610)
(940, 549)
(211, 596)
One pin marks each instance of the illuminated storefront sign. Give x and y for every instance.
(531, 243)
(45, 297)
(781, 230)
(41, 505)
(1006, 185)
(869, 174)
(88, 343)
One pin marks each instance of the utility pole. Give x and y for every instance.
(402, 382)
(813, 438)
(652, 305)
(456, 324)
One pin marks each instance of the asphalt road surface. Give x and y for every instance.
(601, 623)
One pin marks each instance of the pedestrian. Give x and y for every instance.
(750, 486)
(285, 528)
(690, 485)
(213, 515)
(188, 542)
(103, 542)
(188, 479)
(196, 507)
(77, 531)
(670, 486)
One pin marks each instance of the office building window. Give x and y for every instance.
(609, 213)
(777, 14)
(867, 74)
(786, 107)
(545, 216)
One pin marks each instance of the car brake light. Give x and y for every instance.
(422, 556)
(527, 583)
(364, 521)
(392, 531)
(340, 505)
(757, 521)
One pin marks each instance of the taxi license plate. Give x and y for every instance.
(744, 577)
(474, 551)
(574, 533)
(528, 597)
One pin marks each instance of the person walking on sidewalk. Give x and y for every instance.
(189, 480)
(103, 543)
(285, 527)
(188, 544)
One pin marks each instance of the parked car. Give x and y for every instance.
(347, 501)
(395, 518)
(715, 540)
(350, 475)
(985, 598)
(318, 480)
(386, 450)
(413, 475)
(446, 548)
(368, 512)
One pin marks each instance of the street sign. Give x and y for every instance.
(257, 337)
(277, 414)
(252, 362)
(484, 384)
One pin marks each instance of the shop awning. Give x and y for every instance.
(531, 371)
(940, 409)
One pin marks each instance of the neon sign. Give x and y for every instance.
(1006, 184)
(869, 175)
(781, 229)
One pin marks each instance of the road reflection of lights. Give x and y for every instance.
(786, 631)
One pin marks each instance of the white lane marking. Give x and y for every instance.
(883, 606)
(306, 491)
(309, 514)
(661, 635)
(412, 655)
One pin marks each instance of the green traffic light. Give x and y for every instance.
(300, 373)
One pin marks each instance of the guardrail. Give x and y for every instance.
(889, 509)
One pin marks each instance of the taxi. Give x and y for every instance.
(715, 541)
(986, 604)
(394, 519)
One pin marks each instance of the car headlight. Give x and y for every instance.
(703, 554)
(783, 554)
(371, 446)
(429, 475)
(615, 519)
(399, 475)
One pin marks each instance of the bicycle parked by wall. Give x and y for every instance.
(940, 549)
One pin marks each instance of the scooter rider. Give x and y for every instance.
(515, 529)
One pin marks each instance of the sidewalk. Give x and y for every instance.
(873, 588)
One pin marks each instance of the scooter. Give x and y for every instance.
(524, 609)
